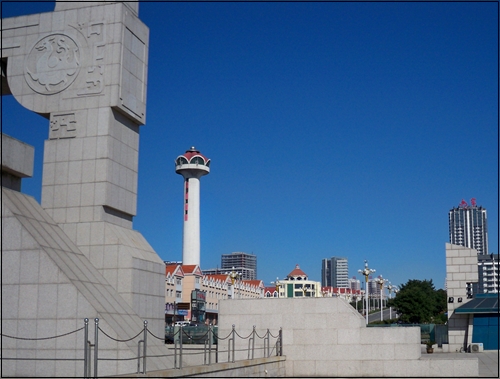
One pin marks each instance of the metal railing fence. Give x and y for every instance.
(206, 339)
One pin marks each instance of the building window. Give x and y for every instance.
(197, 160)
(181, 160)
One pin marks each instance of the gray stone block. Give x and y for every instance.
(407, 351)
(17, 157)
(346, 336)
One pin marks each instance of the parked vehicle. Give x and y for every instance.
(191, 334)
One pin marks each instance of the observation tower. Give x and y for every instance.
(192, 166)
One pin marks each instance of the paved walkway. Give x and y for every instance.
(487, 360)
(488, 363)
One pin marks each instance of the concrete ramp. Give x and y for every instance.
(48, 288)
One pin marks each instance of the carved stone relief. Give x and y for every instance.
(62, 125)
(53, 64)
(95, 33)
(81, 64)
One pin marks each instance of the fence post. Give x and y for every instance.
(89, 348)
(175, 350)
(206, 343)
(176, 341)
(181, 331)
(266, 339)
(96, 320)
(281, 341)
(145, 346)
(233, 338)
(229, 347)
(85, 351)
(252, 343)
(139, 356)
(210, 336)
(217, 348)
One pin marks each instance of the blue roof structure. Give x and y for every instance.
(482, 303)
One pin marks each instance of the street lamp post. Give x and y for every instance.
(277, 284)
(233, 275)
(366, 272)
(391, 288)
(395, 290)
(380, 281)
(305, 289)
(363, 301)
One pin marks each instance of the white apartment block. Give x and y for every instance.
(488, 271)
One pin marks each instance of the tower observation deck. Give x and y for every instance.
(192, 165)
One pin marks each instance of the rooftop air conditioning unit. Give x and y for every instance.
(476, 347)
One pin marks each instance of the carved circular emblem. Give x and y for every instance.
(52, 64)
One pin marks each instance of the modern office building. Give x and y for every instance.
(468, 226)
(192, 166)
(334, 272)
(243, 263)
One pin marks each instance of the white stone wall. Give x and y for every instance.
(461, 268)
(17, 161)
(327, 337)
(17, 157)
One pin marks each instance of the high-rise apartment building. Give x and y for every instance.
(354, 284)
(326, 277)
(244, 263)
(373, 288)
(489, 273)
(334, 272)
(469, 227)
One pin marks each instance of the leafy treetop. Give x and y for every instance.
(419, 302)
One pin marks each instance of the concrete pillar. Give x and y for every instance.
(84, 68)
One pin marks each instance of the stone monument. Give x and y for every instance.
(84, 68)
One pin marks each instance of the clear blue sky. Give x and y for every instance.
(334, 129)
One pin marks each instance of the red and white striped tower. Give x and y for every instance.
(192, 166)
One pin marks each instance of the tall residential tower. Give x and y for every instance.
(469, 227)
(192, 166)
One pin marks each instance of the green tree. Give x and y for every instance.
(440, 316)
(419, 302)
